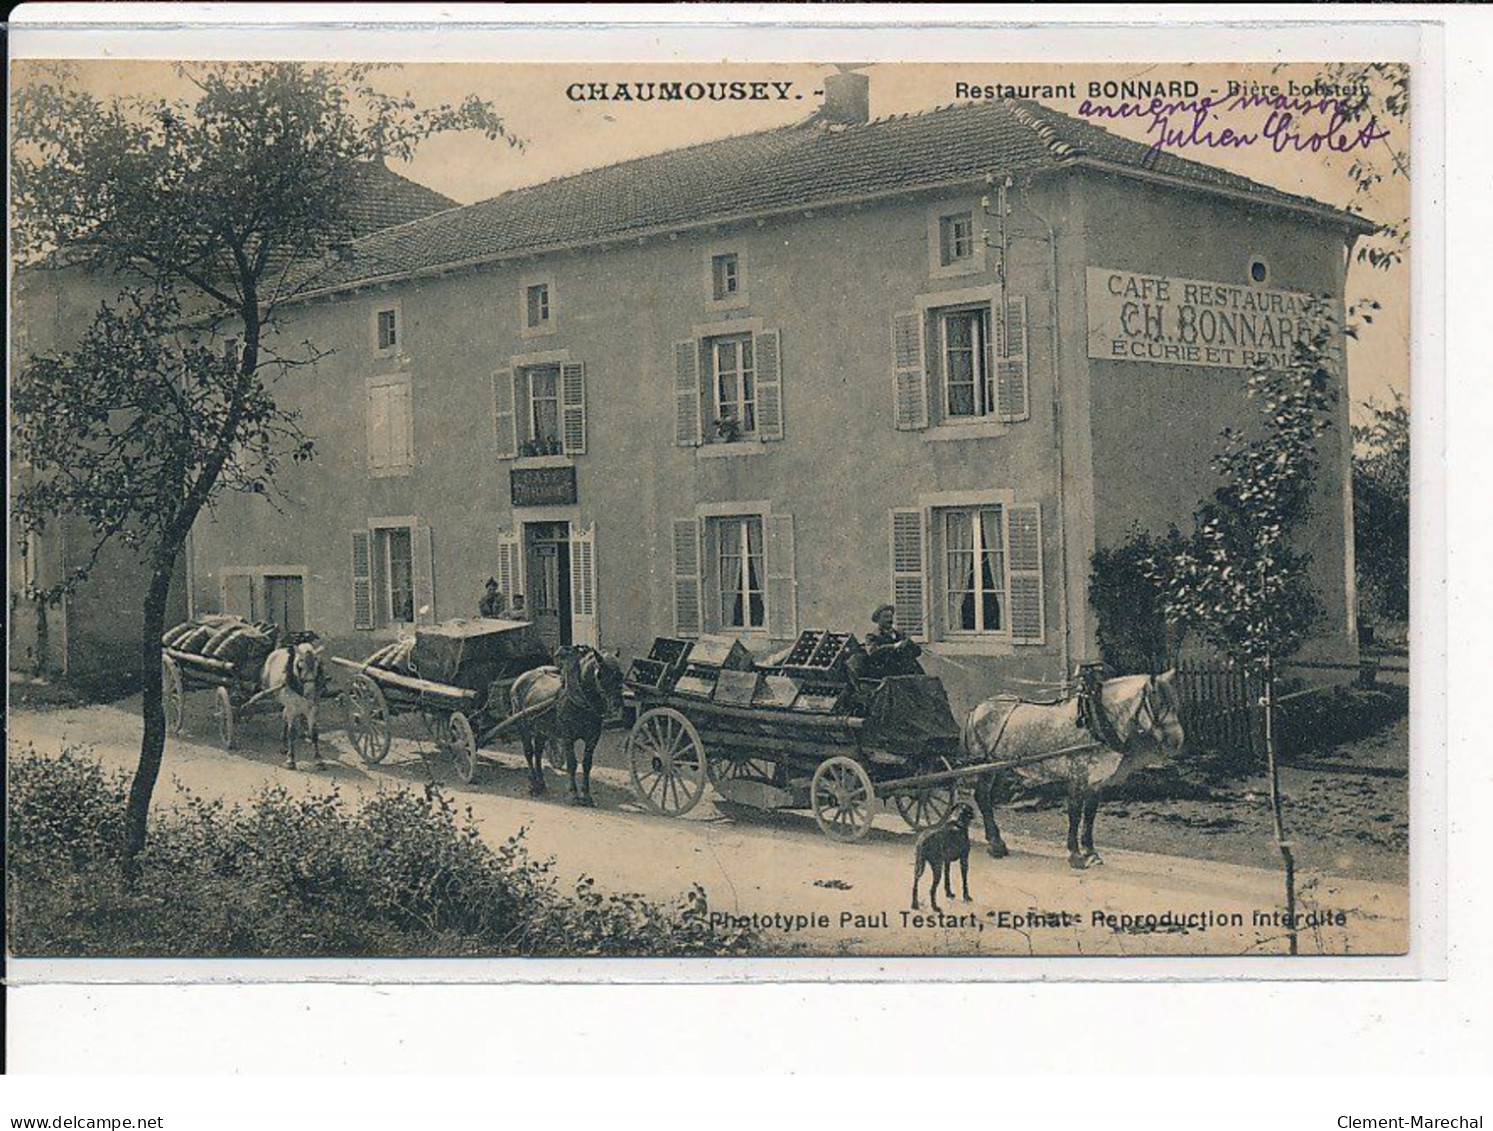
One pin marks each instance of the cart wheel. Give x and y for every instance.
(929, 806)
(463, 746)
(368, 720)
(668, 762)
(738, 765)
(173, 694)
(844, 799)
(223, 712)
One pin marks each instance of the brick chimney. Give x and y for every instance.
(847, 99)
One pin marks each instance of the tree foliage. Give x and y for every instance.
(1133, 632)
(1381, 508)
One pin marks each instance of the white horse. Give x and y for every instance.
(1141, 725)
(294, 675)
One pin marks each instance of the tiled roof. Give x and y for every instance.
(384, 199)
(797, 166)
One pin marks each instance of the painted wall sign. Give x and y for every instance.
(542, 486)
(1163, 320)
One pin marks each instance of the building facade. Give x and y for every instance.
(768, 383)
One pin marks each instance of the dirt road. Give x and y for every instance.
(808, 893)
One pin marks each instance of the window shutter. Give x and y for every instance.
(1011, 385)
(583, 586)
(422, 570)
(782, 585)
(766, 349)
(686, 553)
(909, 372)
(1024, 555)
(573, 407)
(504, 420)
(510, 567)
(908, 575)
(379, 427)
(687, 394)
(362, 579)
(401, 427)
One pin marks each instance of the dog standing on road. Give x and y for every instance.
(939, 847)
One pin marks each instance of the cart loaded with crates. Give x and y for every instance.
(795, 731)
(457, 676)
(223, 654)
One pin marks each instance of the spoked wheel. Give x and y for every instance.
(223, 712)
(929, 806)
(463, 746)
(739, 765)
(368, 720)
(173, 694)
(844, 799)
(668, 762)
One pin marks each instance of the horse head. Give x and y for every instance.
(609, 679)
(306, 666)
(596, 674)
(1160, 713)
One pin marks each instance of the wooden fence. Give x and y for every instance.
(1221, 709)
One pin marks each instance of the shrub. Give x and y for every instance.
(403, 873)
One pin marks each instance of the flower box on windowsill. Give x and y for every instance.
(973, 430)
(542, 461)
(721, 449)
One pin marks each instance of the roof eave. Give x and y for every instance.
(1336, 216)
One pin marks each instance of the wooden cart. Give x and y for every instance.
(798, 740)
(234, 685)
(465, 709)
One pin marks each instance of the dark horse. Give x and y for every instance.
(584, 686)
(1140, 722)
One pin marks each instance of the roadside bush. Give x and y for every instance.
(404, 873)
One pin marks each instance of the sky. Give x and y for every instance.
(562, 136)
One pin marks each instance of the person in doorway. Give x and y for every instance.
(888, 652)
(492, 603)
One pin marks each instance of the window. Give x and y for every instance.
(974, 570)
(543, 415)
(733, 381)
(390, 426)
(969, 378)
(537, 306)
(396, 560)
(739, 571)
(1259, 272)
(388, 329)
(539, 406)
(956, 238)
(725, 276)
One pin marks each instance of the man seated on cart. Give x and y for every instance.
(887, 652)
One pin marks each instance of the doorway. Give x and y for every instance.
(547, 567)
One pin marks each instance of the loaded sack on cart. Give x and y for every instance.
(219, 652)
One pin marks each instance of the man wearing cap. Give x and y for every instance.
(492, 601)
(887, 651)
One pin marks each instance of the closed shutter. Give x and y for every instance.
(362, 579)
(401, 427)
(504, 419)
(687, 394)
(909, 584)
(766, 348)
(686, 555)
(782, 585)
(379, 427)
(1012, 396)
(510, 567)
(1024, 553)
(909, 372)
(573, 407)
(237, 595)
(422, 570)
(583, 587)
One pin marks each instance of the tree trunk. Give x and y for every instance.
(153, 712)
(1267, 701)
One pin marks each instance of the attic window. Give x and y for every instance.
(725, 276)
(956, 238)
(537, 306)
(1259, 272)
(388, 329)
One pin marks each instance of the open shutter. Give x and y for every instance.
(379, 426)
(1024, 553)
(401, 427)
(769, 385)
(909, 372)
(1012, 397)
(510, 567)
(362, 579)
(909, 585)
(583, 586)
(782, 586)
(422, 569)
(686, 554)
(687, 394)
(573, 407)
(504, 420)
